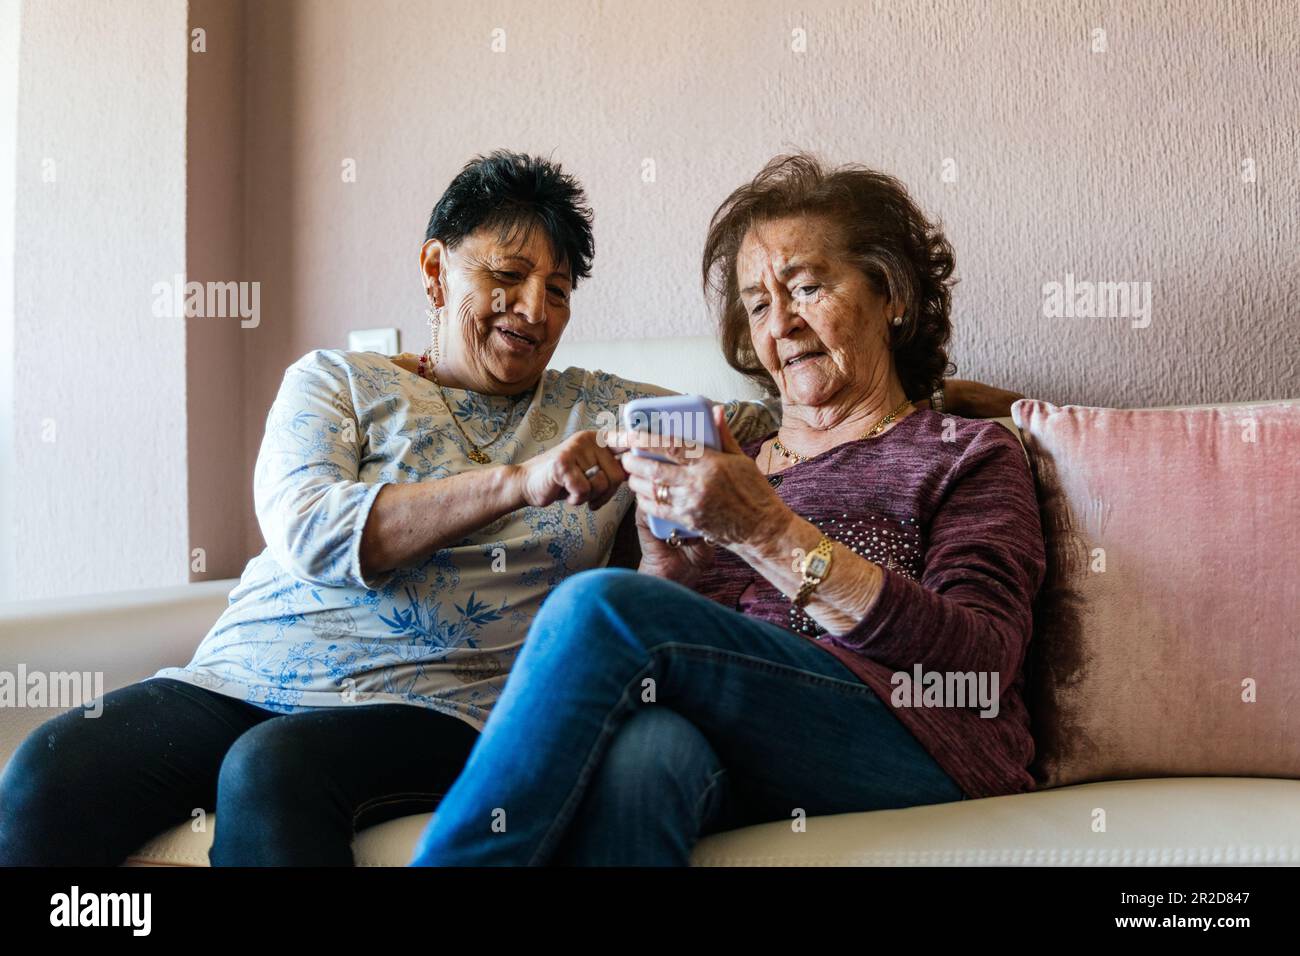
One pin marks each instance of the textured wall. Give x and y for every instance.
(1122, 165)
(1115, 166)
(10, 18)
(101, 104)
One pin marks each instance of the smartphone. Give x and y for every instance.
(686, 417)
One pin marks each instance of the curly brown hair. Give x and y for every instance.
(902, 253)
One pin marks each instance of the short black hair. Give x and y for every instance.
(516, 193)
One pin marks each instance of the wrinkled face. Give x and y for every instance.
(818, 326)
(505, 306)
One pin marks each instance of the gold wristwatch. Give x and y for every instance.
(816, 565)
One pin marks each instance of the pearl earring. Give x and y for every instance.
(898, 320)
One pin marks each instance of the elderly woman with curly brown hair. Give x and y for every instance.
(849, 631)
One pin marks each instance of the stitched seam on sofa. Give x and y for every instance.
(169, 857)
(391, 798)
(1252, 854)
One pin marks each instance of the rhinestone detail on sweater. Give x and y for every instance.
(893, 544)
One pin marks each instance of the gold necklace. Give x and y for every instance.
(871, 432)
(476, 454)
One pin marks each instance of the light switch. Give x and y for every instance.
(383, 341)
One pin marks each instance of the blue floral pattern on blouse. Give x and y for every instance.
(304, 628)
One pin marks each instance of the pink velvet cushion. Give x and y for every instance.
(1167, 632)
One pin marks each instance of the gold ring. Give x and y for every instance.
(661, 493)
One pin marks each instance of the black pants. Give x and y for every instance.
(288, 789)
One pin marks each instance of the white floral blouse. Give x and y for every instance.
(304, 629)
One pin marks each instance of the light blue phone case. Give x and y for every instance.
(684, 416)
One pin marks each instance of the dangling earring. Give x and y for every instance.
(429, 360)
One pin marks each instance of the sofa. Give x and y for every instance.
(1158, 820)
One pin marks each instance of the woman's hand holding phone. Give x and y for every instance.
(718, 492)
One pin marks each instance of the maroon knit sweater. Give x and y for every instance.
(951, 518)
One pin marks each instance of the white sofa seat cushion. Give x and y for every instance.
(1187, 821)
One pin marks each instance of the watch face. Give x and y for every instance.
(816, 566)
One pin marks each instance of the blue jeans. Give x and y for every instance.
(640, 716)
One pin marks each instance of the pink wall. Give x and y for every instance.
(219, 469)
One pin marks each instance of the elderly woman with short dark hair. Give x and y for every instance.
(857, 565)
(416, 512)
